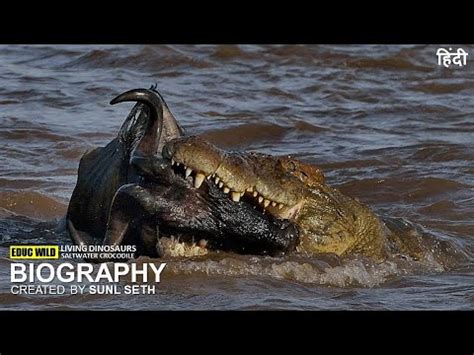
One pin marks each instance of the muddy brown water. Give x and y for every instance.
(386, 123)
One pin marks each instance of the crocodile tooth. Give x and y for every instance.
(208, 177)
(172, 162)
(242, 194)
(226, 190)
(198, 180)
(280, 206)
(214, 175)
(221, 184)
(177, 163)
(274, 203)
(216, 180)
(266, 203)
(255, 193)
(260, 199)
(188, 172)
(250, 189)
(235, 196)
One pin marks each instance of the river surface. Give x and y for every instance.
(385, 123)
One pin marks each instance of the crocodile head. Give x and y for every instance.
(274, 185)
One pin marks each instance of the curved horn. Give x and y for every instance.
(149, 142)
(145, 96)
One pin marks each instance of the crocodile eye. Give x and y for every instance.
(292, 166)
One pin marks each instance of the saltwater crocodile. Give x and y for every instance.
(153, 181)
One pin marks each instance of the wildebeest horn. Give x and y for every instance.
(145, 96)
(149, 142)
